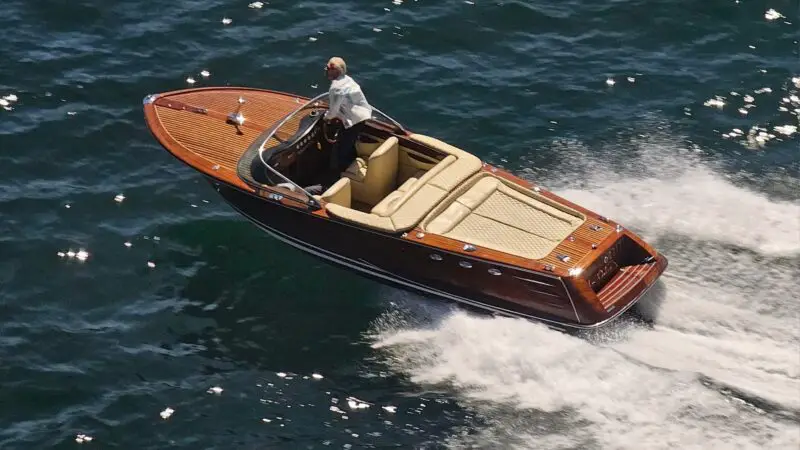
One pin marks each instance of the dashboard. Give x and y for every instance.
(303, 155)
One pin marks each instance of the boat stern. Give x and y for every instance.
(617, 278)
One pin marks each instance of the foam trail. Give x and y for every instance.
(664, 190)
(627, 403)
(710, 208)
(755, 355)
(719, 369)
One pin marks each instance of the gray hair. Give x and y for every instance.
(338, 63)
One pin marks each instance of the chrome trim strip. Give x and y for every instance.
(544, 293)
(367, 263)
(533, 281)
(571, 302)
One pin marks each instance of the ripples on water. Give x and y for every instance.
(678, 119)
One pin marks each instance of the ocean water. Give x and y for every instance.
(139, 311)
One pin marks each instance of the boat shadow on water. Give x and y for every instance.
(253, 308)
(253, 301)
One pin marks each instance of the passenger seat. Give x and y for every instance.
(375, 178)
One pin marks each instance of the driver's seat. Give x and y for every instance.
(374, 178)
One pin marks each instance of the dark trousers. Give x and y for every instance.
(343, 154)
(344, 150)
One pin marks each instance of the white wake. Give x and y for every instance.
(720, 368)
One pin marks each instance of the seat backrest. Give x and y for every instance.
(384, 159)
(381, 177)
(339, 193)
(407, 208)
(426, 177)
(364, 149)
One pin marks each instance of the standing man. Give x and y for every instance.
(348, 104)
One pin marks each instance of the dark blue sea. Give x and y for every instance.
(139, 311)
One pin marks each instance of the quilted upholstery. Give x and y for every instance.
(387, 204)
(494, 213)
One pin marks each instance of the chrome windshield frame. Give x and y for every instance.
(311, 200)
(312, 102)
(390, 119)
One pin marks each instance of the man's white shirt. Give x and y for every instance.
(347, 103)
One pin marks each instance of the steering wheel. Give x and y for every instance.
(325, 125)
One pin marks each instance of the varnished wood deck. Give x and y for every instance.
(191, 124)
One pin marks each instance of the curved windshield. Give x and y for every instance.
(292, 127)
(380, 116)
(288, 125)
(291, 123)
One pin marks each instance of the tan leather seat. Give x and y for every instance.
(339, 193)
(386, 205)
(374, 178)
(491, 212)
(404, 208)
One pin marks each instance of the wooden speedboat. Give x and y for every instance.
(411, 210)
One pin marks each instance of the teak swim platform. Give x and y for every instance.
(410, 211)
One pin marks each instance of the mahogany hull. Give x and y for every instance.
(591, 277)
(408, 265)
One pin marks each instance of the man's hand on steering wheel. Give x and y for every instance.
(336, 124)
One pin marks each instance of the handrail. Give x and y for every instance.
(311, 200)
(396, 123)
